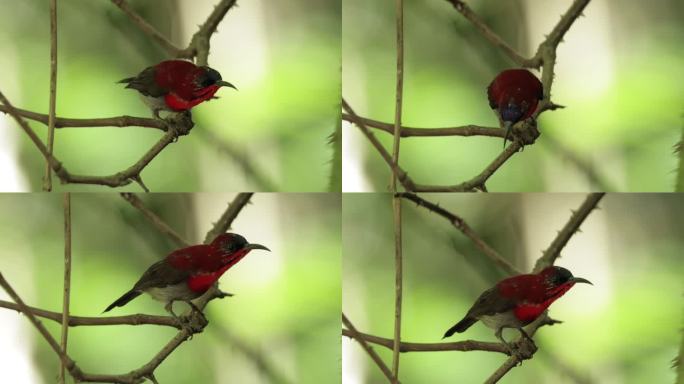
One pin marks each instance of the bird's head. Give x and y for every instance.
(558, 280)
(209, 78)
(232, 244)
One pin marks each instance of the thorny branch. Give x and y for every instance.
(47, 183)
(525, 131)
(67, 279)
(147, 370)
(352, 332)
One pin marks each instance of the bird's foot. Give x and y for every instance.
(525, 132)
(194, 322)
(522, 350)
(180, 123)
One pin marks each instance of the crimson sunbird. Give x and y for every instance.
(517, 301)
(176, 85)
(187, 273)
(514, 94)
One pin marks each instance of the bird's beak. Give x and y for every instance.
(225, 84)
(580, 280)
(256, 246)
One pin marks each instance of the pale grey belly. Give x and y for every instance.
(505, 319)
(172, 292)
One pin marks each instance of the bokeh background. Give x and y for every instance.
(285, 309)
(624, 329)
(284, 57)
(619, 72)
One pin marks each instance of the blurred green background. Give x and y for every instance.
(619, 72)
(623, 329)
(285, 308)
(283, 57)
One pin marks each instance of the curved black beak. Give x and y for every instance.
(222, 83)
(256, 246)
(580, 280)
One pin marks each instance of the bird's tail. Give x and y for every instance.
(126, 80)
(123, 300)
(461, 326)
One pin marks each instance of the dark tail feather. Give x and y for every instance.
(123, 300)
(126, 80)
(461, 326)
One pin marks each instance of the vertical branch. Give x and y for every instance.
(47, 182)
(396, 200)
(67, 279)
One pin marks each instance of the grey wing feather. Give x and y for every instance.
(160, 274)
(145, 83)
(489, 303)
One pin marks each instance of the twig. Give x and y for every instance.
(76, 321)
(462, 226)
(396, 201)
(157, 36)
(47, 183)
(64, 122)
(199, 45)
(493, 37)
(156, 221)
(571, 227)
(352, 332)
(401, 175)
(66, 360)
(466, 130)
(465, 345)
(226, 220)
(477, 182)
(67, 279)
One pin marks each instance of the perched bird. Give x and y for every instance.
(517, 301)
(514, 93)
(187, 273)
(176, 85)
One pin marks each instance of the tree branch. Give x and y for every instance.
(465, 345)
(571, 227)
(352, 332)
(156, 221)
(230, 214)
(396, 201)
(144, 26)
(119, 121)
(462, 226)
(47, 182)
(466, 130)
(67, 279)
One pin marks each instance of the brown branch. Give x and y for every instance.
(466, 130)
(396, 201)
(462, 226)
(477, 182)
(67, 279)
(571, 227)
(119, 121)
(493, 38)
(353, 333)
(77, 321)
(157, 36)
(156, 221)
(199, 45)
(401, 175)
(226, 220)
(47, 182)
(65, 359)
(404, 346)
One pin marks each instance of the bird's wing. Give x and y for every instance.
(161, 274)
(489, 303)
(146, 83)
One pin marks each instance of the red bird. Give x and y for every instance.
(187, 273)
(517, 301)
(176, 85)
(514, 93)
